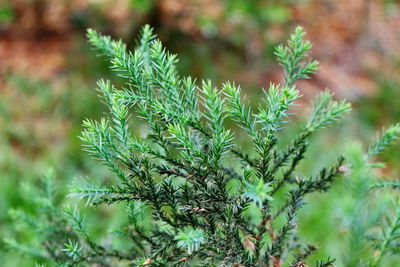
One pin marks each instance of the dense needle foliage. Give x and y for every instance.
(187, 184)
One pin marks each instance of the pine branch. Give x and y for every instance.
(279, 99)
(325, 111)
(292, 57)
(326, 263)
(388, 138)
(320, 183)
(391, 233)
(386, 183)
(101, 145)
(239, 111)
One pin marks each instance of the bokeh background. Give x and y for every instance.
(48, 74)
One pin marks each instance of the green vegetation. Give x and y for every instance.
(192, 195)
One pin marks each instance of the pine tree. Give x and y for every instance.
(189, 175)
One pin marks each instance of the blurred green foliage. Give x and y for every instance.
(6, 15)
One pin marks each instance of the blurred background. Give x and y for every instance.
(48, 74)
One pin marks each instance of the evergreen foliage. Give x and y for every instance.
(194, 180)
